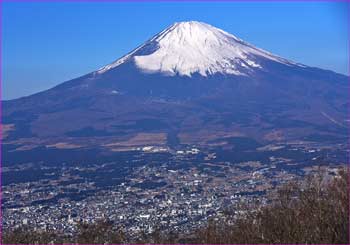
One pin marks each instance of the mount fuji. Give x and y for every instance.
(193, 47)
(191, 84)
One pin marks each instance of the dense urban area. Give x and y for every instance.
(156, 187)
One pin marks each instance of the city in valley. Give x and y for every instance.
(158, 187)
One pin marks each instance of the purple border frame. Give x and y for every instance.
(183, 1)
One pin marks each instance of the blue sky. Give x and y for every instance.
(44, 44)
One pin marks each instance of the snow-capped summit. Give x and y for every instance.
(121, 107)
(191, 47)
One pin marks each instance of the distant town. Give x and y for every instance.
(155, 187)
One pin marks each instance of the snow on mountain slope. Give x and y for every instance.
(274, 101)
(192, 47)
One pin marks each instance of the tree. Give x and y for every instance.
(313, 211)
